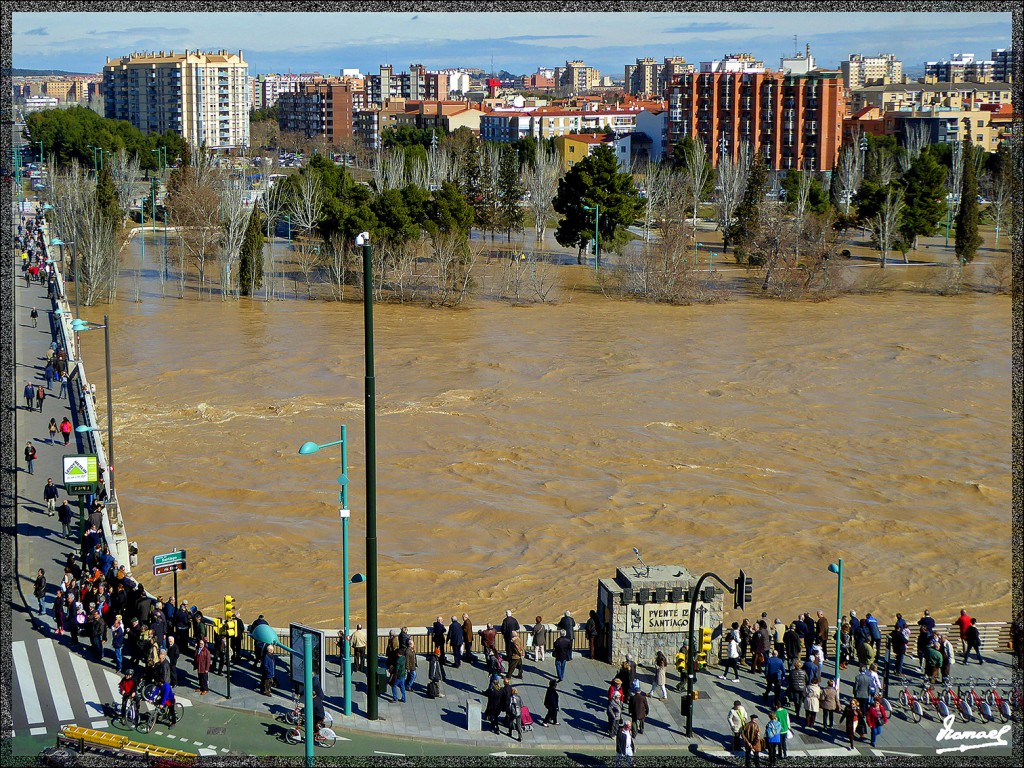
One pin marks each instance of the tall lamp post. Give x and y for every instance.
(306, 449)
(838, 570)
(265, 634)
(40, 151)
(77, 326)
(597, 241)
(363, 240)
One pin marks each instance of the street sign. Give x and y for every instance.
(81, 474)
(163, 570)
(177, 556)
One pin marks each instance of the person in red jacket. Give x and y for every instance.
(202, 663)
(963, 623)
(876, 718)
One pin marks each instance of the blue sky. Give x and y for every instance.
(518, 42)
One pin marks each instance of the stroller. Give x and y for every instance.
(527, 719)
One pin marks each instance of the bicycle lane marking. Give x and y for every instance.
(58, 691)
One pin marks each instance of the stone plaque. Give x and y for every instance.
(663, 617)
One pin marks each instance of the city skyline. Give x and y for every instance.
(282, 42)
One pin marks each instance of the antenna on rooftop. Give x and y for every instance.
(796, 48)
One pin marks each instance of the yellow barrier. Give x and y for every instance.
(87, 737)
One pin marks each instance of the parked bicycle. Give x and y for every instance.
(995, 699)
(909, 701)
(951, 696)
(296, 714)
(975, 701)
(323, 736)
(932, 699)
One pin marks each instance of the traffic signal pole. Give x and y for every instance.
(691, 656)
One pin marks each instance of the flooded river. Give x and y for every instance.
(523, 452)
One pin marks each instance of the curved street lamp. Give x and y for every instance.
(838, 570)
(79, 325)
(343, 512)
(265, 634)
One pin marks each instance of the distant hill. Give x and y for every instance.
(44, 73)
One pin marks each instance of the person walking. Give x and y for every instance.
(410, 666)
(797, 686)
(493, 709)
(509, 625)
(52, 429)
(568, 623)
(829, 705)
(40, 397)
(268, 672)
(783, 716)
(624, 746)
(539, 639)
(773, 737)
(638, 709)
(94, 626)
(173, 653)
(660, 675)
(774, 674)
(65, 430)
(30, 394)
(50, 495)
(30, 458)
(862, 692)
(49, 373)
(467, 636)
(551, 704)
(201, 661)
(876, 718)
(358, 639)
(732, 660)
(398, 676)
(737, 719)
(39, 589)
(614, 713)
(751, 735)
(34, 314)
(812, 701)
(972, 642)
(435, 672)
(561, 651)
(515, 656)
(455, 641)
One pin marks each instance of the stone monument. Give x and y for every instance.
(647, 609)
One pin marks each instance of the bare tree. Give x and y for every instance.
(656, 180)
(885, 225)
(541, 182)
(490, 163)
(441, 165)
(124, 172)
(99, 249)
(661, 271)
(308, 260)
(914, 143)
(419, 173)
(884, 164)
(803, 193)
(851, 172)
(236, 215)
(389, 170)
(696, 174)
(1002, 200)
(194, 208)
(307, 207)
(273, 204)
(732, 178)
(340, 254)
(453, 258)
(954, 178)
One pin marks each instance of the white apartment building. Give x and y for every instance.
(859, 71)
(733, 62)
(204, 97)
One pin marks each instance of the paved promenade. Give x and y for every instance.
(55, 684)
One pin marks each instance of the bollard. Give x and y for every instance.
(474, 715)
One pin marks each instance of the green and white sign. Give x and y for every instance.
(170, 558)
(81, 474)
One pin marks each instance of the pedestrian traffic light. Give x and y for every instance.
(704, 649)
(229, 609)
(217, 623)
(742, 590)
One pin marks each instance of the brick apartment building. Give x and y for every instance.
(794, 121)
(323, 108)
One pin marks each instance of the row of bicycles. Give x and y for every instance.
(996, 701)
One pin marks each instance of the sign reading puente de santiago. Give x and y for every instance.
(81, 474)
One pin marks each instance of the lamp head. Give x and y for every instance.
(307, 448)
(59, 311)
(264, 633)
(56, 241)
(358, 578)
(84, 428)
(833, 568)
(363, 238)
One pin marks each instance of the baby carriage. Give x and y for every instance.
(527, 719)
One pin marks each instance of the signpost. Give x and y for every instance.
(171, 562)
(81, 474)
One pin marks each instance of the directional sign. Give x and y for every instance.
(81, 474)
(170, 558)
(162, 570)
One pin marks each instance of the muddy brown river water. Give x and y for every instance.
(523, 452)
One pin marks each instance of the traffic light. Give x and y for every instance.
(704, 649)
(743, 589)
(217, 624)
(229, 610)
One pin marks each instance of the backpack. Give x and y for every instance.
(433, 689)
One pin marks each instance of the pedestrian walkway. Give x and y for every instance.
(56, 685)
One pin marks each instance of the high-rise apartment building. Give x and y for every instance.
(860, 71)
(417, 84)
(794, 121)
(649, 78)
(577, 77)
(733, 62)
(204, 97)
(1003, 62)
(960, 68)
(321, 108)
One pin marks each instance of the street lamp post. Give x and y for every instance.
(95, 167)
(40, 151)
(838, 570)
(308, 448)
(863, 153)
(265, 634)
(83, 325)
(597, 241)
(371, 478)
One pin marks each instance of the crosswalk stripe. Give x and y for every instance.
(58, 691)
(83, 675)
(26, 683)
(35, 731)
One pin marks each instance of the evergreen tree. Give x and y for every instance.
(595, 181)
(106, 197)
(924, 191)
(250, 259)
(967, 236)
(486, 205)
(510, 193)
(748, 214)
